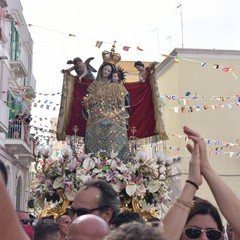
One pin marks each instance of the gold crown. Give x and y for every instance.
(111, 57)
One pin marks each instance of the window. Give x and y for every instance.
(18, 193)
(15, 44)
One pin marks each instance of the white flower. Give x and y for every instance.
(113, 154)
(159, 156)
(169, 159)
(58, 183)
(141, 188)
(141, 155)
(131, 189)
(70, 193)
(88, 164)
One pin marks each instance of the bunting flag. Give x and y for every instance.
(99, 44)
(126, 48)
(140, 49)
(165, 55)
(177, 60)
(227, 69)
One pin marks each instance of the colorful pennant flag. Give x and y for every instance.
(227, 69)
(99, 44)
(177, 60)
(138, 48)
(126, 48)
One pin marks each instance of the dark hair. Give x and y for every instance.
(3, 172)
(108, 195)
(134, 231)
(138, 63)
(45, 228)
(101, 68)
(204, 207)
(126, 217)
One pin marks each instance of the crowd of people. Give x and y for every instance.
(95, 211)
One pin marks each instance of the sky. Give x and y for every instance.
(156, 26)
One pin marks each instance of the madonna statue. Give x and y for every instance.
(99, 109)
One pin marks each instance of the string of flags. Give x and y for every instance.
(188, 96)
(98, 44)
(226, 69)
(197, 108)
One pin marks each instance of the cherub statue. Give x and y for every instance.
(83, 69)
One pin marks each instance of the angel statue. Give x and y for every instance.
(83, 69)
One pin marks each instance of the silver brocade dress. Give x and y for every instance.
(106, 125)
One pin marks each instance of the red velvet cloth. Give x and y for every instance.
(141, 108)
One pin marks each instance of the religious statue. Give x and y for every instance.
(103, 120)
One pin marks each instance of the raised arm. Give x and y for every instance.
(10, 227)
(174, 221)
(227, 200)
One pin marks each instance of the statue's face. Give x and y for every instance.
(139, 68)
(106, 71)
(115, 77)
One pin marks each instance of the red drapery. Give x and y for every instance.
(141, 109)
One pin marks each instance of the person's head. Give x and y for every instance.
(203, 216)
(64, 222)
(96, 197)
(139, 65)
(126, 217)
(3, 172)
(105, 71)
(26, 223)
(46, 229)
(134, 231)
(88, 227)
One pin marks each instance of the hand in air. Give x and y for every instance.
(195, 137)
(194, 164)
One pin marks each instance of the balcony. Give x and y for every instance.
(19, 142)
(4, 116)
(29, 88)
(18, 69)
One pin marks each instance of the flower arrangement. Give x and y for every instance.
(140, 179)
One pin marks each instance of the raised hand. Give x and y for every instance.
(195, 137)
(194, 164)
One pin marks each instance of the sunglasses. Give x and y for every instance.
(26, 221)
(82, 211)
(195, 233)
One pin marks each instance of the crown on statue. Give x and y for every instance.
(111, 57)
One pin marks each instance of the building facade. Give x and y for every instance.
(200, 89)
(17, 89)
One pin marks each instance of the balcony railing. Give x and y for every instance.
(19, 140)
(4, 116)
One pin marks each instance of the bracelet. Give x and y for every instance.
(185, 203)
(193, 183)
(181, 207)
